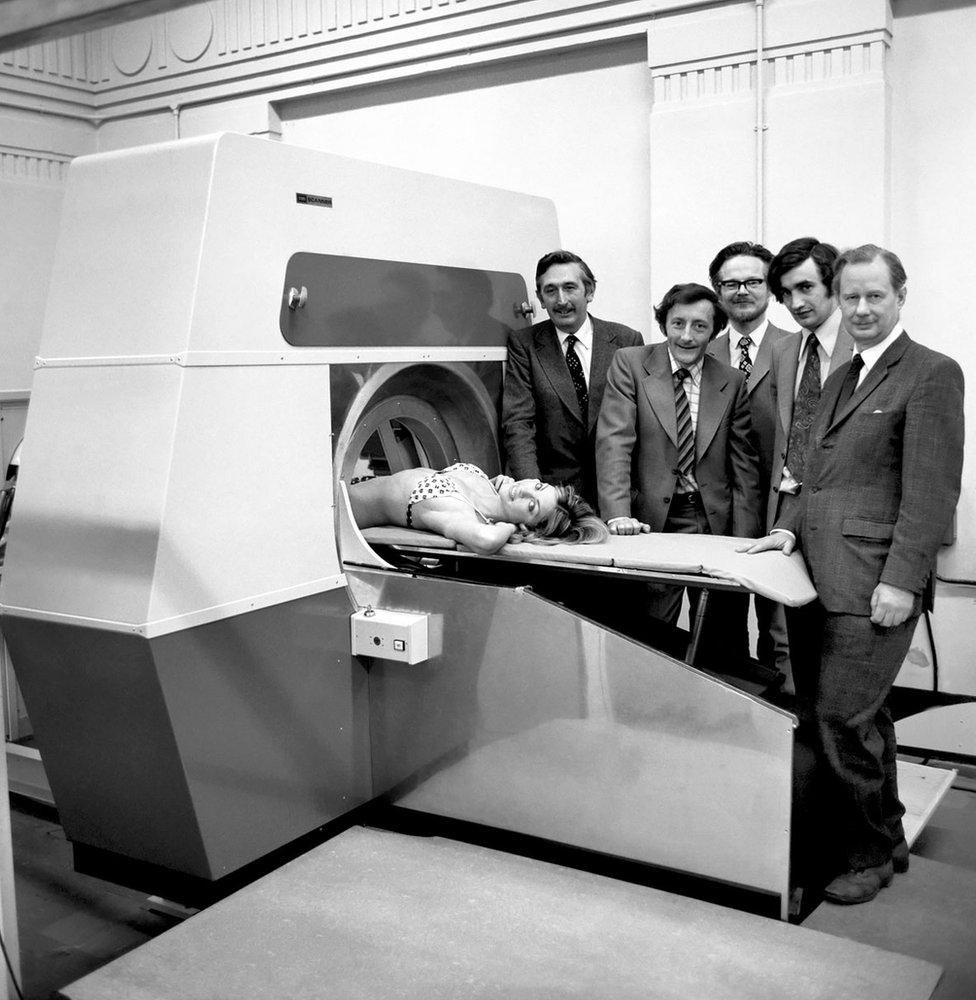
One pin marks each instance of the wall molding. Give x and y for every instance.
(232, 49)
(31, 166)
(850, 60)
(709, 54)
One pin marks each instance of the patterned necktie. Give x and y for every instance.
(849, 384)
(576, 374)
(686, 431)
(745, 365)
(804, 408)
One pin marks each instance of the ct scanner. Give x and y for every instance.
(235, 328)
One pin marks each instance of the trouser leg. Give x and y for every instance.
(858, 665)
(686, 516)
(772, 645)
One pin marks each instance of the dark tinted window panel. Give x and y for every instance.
(361, 302)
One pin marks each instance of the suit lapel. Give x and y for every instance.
(553, 363)
(659, 389)
(764, 357)
(872, 380)
(603, 347)
(711, 404)
(786, 383)
(843, 349)
(719, 349)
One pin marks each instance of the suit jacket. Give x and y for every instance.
(784, 362)
(637, 451)
(762, 402)
(882, 477)
(542, 425)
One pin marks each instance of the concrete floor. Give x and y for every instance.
(69, 924)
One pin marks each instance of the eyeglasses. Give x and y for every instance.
(750, 284)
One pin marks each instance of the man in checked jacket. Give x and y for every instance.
(882, 479)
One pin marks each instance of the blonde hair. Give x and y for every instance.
(572, 520)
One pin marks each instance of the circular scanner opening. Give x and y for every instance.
(417, 415)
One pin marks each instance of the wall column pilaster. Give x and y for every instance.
(826, 128)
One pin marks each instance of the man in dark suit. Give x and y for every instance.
(555, 379)
(881, 482)
(738, 274)
(674, 445)
(801, 277)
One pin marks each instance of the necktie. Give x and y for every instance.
(745, 365)
(686, 432)
(576, 374)
(804, 408)
(849, 384)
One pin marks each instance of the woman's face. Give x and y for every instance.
(527, 501)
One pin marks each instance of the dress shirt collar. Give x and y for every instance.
(870, 355)
(584, 335)
(694, 370)
(826, 334)
(756, 336)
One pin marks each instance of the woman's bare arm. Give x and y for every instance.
(464, 526)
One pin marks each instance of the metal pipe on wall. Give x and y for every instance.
(760, 125)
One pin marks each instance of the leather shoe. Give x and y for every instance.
(899, 856)
(860, 885)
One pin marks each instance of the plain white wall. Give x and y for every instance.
(31, 215)
(933, 208)
(570, 126)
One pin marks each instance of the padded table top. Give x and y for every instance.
(780, 578)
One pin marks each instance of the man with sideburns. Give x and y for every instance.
(675, 449)
(555, 379)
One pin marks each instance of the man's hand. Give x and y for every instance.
(781, 540)
(890, 605)
(628, 526)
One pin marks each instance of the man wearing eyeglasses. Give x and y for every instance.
(738, 274)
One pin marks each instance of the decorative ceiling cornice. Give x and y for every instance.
(225, 49)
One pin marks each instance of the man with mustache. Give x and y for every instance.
(555, 379)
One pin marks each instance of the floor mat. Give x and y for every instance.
(379, 915)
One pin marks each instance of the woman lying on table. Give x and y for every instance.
(462, 503)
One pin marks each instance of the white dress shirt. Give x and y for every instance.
(756, 336)
(870, 355)
(584, 346)
(691, 386)
(826, 335)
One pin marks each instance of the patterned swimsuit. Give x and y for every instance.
(440, 484)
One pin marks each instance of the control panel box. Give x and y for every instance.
(390, 635)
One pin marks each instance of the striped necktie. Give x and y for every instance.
(686, 431)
